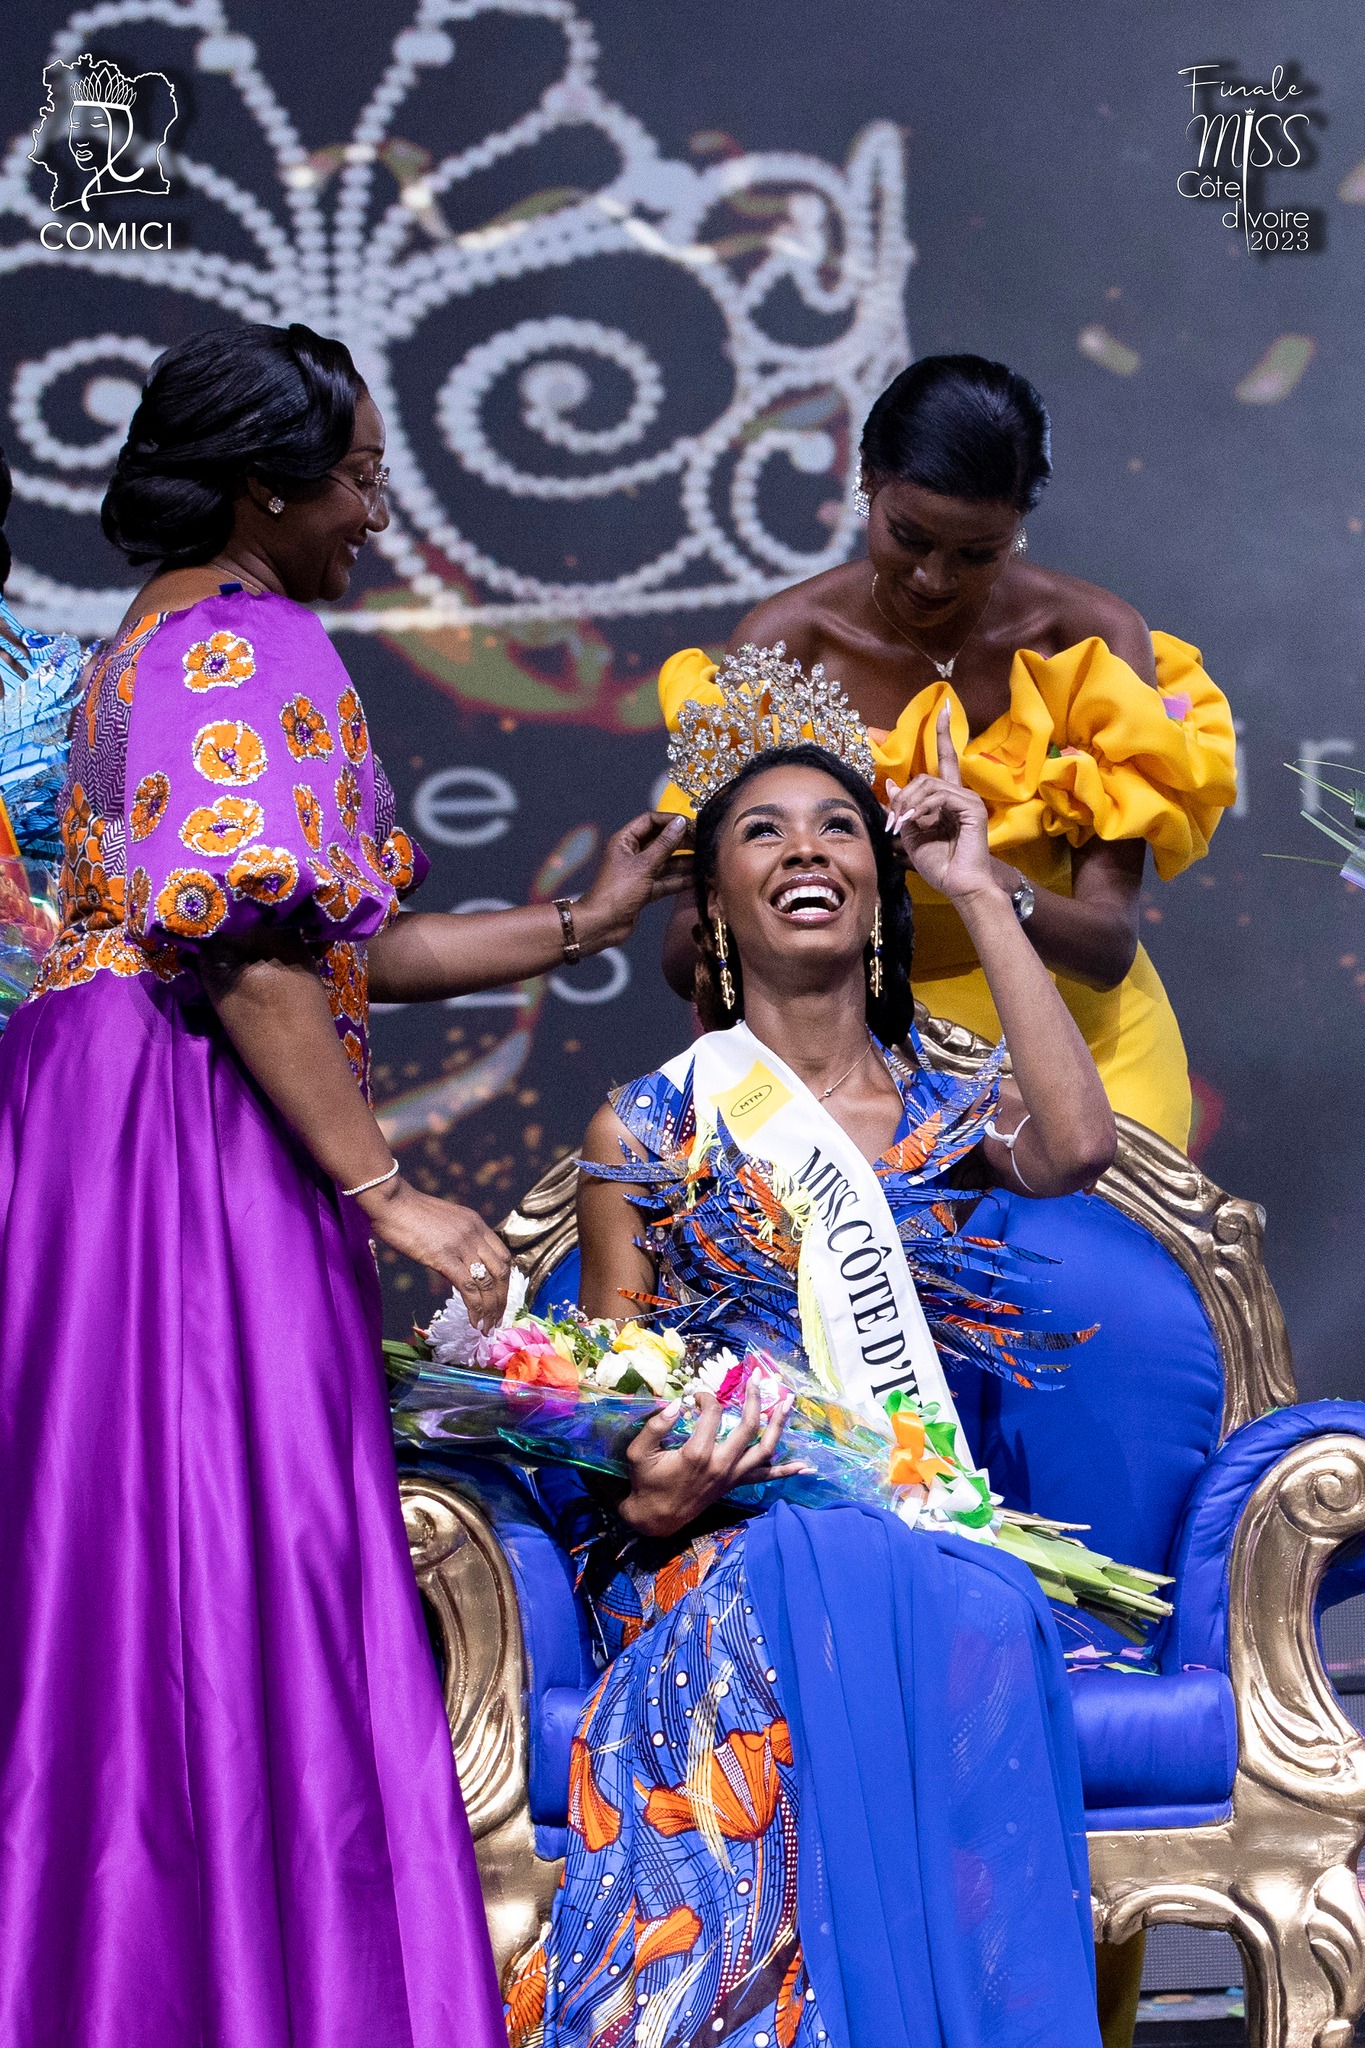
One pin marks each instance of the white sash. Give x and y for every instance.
(862, 1325)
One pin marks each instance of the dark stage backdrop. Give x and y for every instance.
(624, 277)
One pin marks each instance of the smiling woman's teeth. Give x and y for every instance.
(807, 897)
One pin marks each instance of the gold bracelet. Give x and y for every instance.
(363, 1187)
(573, 952)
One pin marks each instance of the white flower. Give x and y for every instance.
(645, 1359)
(453, 1338)
(713, 1370)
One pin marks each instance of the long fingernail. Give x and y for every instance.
(672, 1409)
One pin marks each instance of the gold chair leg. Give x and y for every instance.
(1118, 1986)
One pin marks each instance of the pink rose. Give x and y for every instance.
(513, 1338)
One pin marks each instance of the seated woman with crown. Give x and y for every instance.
(1089, 739)
(827, 1788)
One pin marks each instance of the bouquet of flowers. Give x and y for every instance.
(566, 1389)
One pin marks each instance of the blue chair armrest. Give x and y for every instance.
(1196, 1637)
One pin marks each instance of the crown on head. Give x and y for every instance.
(104, 85)
(766, 702)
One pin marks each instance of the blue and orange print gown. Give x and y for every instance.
(826, 1788)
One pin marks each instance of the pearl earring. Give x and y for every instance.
(1021, 542)
(275, 505)
(862, 504)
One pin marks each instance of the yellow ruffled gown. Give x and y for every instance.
(1086, 749)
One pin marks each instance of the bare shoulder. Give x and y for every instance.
(1082, 611)
(804, 617)
(605, 1137)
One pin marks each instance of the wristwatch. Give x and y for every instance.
(1022, 899)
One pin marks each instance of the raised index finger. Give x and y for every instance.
(948, 768)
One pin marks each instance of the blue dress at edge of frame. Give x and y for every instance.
(39, 690)
(40, 679)
(826, 1790)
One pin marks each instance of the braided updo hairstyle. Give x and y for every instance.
(276, 403)
(890, 1014)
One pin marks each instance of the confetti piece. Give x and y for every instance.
(1108, 351)
(1352, 186)
(1278, 371)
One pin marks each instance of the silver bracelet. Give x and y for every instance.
(363, 1188)
(1009, 1139)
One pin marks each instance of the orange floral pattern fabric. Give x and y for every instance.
(229, 751)
(305, 730)
(679, 1888)
(309, 812)
(222, 662)
(150, 799)
(355, 734)
(347, 792)
(223, 826)
(245, 842)
(191, 904)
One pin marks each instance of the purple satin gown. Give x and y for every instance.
(229, 1816)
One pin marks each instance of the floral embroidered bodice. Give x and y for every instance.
(221, 777)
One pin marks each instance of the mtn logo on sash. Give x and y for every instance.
(747, 1108)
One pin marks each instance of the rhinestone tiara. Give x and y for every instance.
(766, 702)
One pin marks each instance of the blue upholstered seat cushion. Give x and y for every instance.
(1118, 1442)
(1145, 1743)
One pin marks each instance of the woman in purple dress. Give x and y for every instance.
(228, 1808)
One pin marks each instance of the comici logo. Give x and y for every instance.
(1241, 131)
(99, 136)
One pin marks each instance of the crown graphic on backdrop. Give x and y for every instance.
(654, 413)
(100, 133)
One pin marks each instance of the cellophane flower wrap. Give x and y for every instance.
(568, 1390)
(564, 1389)
(29, 921)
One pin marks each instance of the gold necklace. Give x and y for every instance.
(944, 668)
(825, 1093)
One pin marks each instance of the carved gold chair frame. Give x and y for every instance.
(1279, 1875)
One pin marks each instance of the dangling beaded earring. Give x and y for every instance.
(727, 987)
(862, 504)
(1020, 542)
(874, 971)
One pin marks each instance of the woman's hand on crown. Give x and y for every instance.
(942, 826)
(641, 864)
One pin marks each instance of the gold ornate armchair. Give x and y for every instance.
(1278, 1491)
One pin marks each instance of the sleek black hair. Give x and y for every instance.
(964, 427)
(890, 1014)
(277, 403)
(6, 493)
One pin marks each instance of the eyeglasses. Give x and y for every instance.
(370, 490)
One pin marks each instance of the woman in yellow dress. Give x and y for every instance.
(1089, 738)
